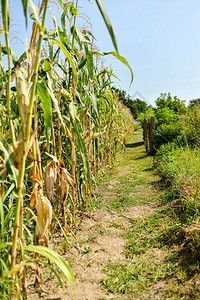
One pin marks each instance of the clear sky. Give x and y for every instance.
(160, 39)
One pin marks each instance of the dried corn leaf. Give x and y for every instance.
(22, 93)
(52, 157)
(44, 216)
(18, 151)
(2, 169)
(50, 179)
(34, 173)
(65, 181)
(64, 188)
(19, 268)
(67, 176)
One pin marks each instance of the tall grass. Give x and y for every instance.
(60, 126)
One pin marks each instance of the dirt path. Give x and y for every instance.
(128, 192)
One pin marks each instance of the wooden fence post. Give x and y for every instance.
(152, 131)
(146, 134)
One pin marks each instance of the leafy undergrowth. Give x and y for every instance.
(162, 252)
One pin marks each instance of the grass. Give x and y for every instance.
(154, 249)
(132, 277)
(134, 182)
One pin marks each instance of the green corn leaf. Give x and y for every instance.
(53, 270)
(5, 14)
(4, 50)
(84, 39)
(63, 21)
(5, 245)
(108, 72)
(1, 217)
(66, 52)
(63, 7)
(108, 23)
(47, 108)
(6, 194)
(2, 67)
(89, 58)
(121, 58)
(54, 257)
(24, 3)
(8, 216)
(94, 102)
(34, 12)
(78, 132)
(9, 158)
(55, 101)
(82, 62)
(73, 10)
(51, 41)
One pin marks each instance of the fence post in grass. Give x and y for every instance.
(146, 134)
(149, 134)
(152, 131)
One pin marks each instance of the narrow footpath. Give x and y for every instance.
(122, 252)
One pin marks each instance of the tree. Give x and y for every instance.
(175, 104)
(194, 102)
(137, 106)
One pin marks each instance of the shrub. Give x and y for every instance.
(168, 133)
(191, 126)
(147, 114)
(181, 168)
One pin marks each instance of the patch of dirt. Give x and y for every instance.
(140, 211)
(99, 242)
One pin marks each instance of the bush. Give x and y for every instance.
(191, 126)
(147, 114)
(165, 115)
(168, 133)
(181, 168)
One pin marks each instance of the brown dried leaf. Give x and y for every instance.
(18, 151)
(64, 188)
(3, 168)
(67, 176)
(22, 93)
(50, 179)
(44, 216)
(54, 158)
(20, 267)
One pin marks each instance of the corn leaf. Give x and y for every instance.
(63, 7)
(63, 21)
(89, 58)
(66, 52)
(24, 3)
(2, 216)
(54, 257)
(9, 158)
(6, 194)
(33, 12)
(121, 58)
(51, 42)
(108, 23)
(78, 132)
(5, 15)
(47, 108)
(94, 102)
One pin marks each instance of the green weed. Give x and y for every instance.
(134, 276)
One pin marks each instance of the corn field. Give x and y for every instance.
(60, 126)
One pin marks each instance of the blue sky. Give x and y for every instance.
(160, 39)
